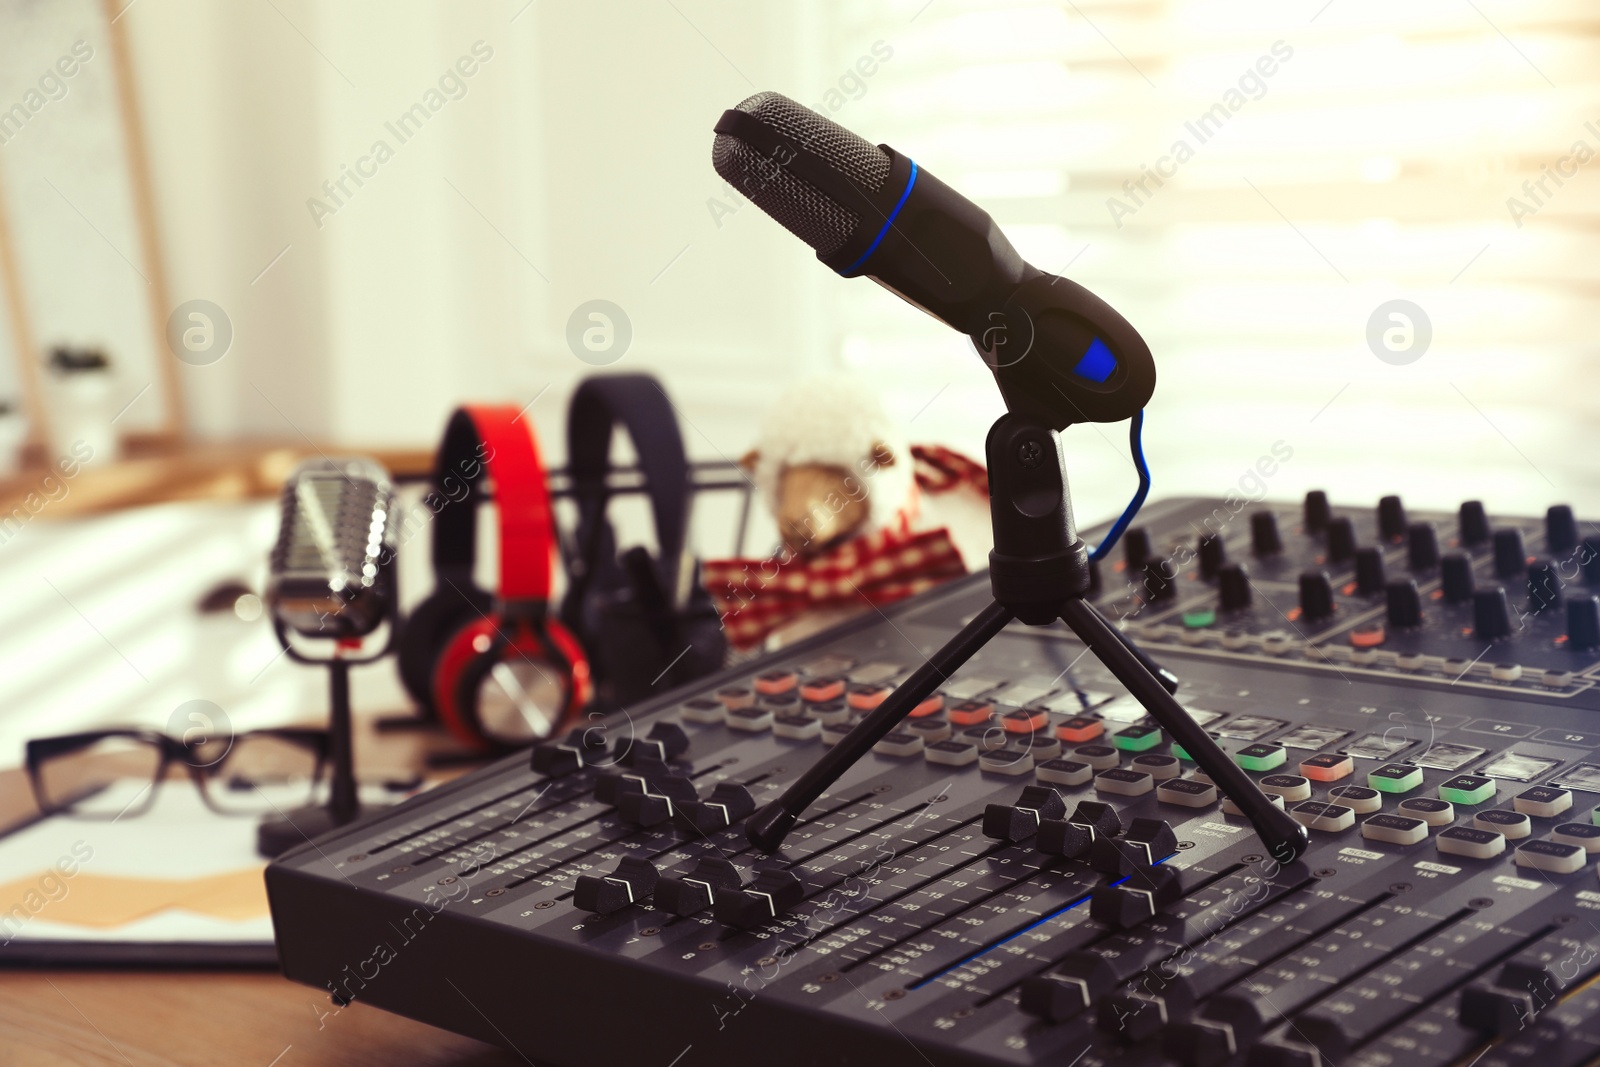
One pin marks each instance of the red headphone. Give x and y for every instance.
(490, 666)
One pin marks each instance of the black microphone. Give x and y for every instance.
(330, 573)
(1059, 354)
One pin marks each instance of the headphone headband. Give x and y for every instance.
(487, 441)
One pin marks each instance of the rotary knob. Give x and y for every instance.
(1404, 604)
(1316, 595)
(1544, 585)
(1370, 578)
(1213, 554)
(1264, 537)
(1136, 547)
(1391, 519)
(1455, 578)
(1560, 529)
(1422, 546)
(1160, 580)
(1589, 559)
(1491, 614)
(1509, 557)
(1233, 587)
(1583, 622)
(1473, 523)
(1317, 511)
(1341, 539)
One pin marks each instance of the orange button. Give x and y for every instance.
(971, 713)
(929, 706)
(736, 697)
(821, 690)
(1080, 728)
(1327, 767)
(867, 697)
(1368, 636)
(1025, 720)
(774, 682)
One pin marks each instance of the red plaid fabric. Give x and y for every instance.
(756, 596)
(941, 469)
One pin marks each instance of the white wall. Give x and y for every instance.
(580, 152)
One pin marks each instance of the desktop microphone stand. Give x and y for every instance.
(1039, 572)
(277, 833)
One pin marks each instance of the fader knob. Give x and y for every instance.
(1404, 604)
(1233, 587)
(1213, 554)
(1583, 622)
(1370, 578)
(1341, 539)
(1473, 522)
(1160, 580)
(1544, 585)
(1136, 547)
(1422, 546)
(1317, 512)
(1455, 578)
(1491, 614)
(1509, 557)
(1391, 519)
(1264, 537)
(1560, 529)
(1316, 595)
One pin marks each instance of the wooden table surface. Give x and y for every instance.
(127, 1018)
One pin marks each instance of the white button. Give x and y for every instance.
(1394, 829)
(1471, 842)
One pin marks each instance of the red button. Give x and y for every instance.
(929, 706)
(1327, 767)
(1080, 728)
(867, 697)
(774, 682)
(735, 697)
(1369, 636)
(971, 713)
(1025, 720)
(822, 690)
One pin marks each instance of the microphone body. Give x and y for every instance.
(1059, 353)
(331, 573)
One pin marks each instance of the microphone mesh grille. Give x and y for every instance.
(802, 209)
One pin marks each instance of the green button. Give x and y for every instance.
(1261, 757)
(1467, 789)
(1137, 738)
(1395, 778)
(1196, 620)
(1594, 816)
(1183, 753)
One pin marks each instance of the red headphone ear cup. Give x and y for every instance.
(453, 664)
(580, 680)
(425, 631)
(463, 664)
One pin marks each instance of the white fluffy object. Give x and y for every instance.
(835, 420)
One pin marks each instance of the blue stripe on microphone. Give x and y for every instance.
(878, 240)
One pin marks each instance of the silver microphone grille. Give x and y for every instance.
(803, 210)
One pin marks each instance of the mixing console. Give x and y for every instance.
(1027, 871)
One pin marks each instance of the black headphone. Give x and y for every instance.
(647, 620)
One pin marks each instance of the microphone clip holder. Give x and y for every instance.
(1038, 573)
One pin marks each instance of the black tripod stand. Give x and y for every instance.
(1038, 571)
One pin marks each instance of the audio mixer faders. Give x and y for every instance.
(1027, 871)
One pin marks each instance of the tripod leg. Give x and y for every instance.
(767, 828)
(1168, 680)
(1284, 838)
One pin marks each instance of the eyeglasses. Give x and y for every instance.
(108, 774)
